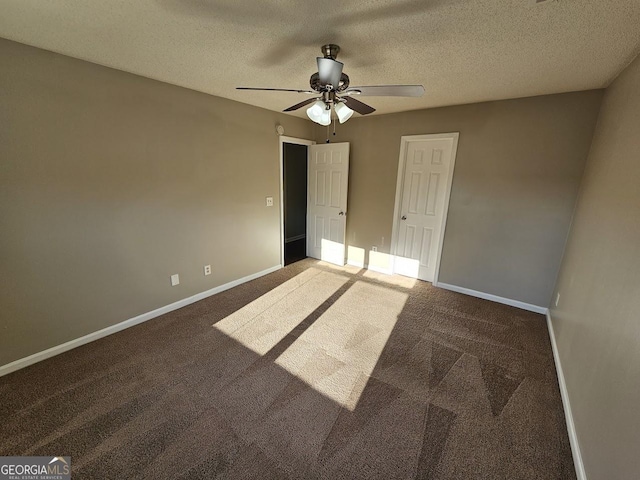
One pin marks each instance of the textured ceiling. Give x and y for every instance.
(461, 51)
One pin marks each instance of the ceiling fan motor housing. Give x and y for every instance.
(316, 85)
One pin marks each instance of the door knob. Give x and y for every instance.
(341, 213)
(404, 217)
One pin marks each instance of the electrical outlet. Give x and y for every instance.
(175, 279)
(557, 299)
(374, 249)
(207, 269)
(269, 201)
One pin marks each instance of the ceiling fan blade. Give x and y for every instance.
(276, 90)
(329, 71)
(387, 91)
(358, 106)
(300, 105)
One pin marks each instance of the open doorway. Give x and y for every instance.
(294, 199)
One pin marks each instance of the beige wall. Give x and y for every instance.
(597, 321)
(516, 178)
(110, 182)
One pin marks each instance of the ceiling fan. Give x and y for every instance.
(332, 85)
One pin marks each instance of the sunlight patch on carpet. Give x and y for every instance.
(354, 331)
(264, 322)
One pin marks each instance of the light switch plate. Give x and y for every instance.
(175, 279)
(269, 201)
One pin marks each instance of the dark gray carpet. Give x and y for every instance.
(310, 372)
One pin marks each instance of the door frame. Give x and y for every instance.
(404, 142)
(282, 141)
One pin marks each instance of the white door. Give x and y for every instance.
(327, 211)
(426, 181)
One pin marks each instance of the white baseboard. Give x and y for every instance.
(571, 429)
(357, 264)
(53, 351)
(493, 298)
(386, 271)
(296, 238)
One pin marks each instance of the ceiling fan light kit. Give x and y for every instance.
(332, 85)
(319, 113)
(343, 112)
(315, 111)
